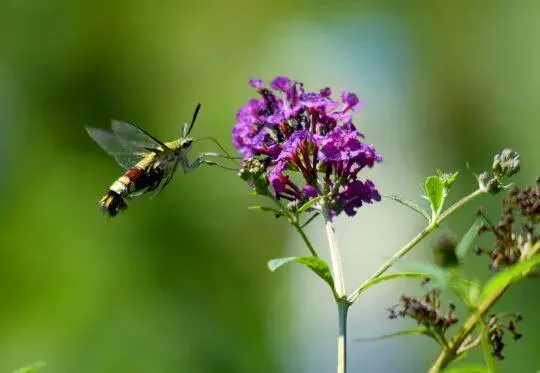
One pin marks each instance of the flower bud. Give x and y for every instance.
(506, 163)
(254, 172)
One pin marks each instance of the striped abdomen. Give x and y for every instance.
(134, 182)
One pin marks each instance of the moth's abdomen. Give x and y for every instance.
(115, 200)
(134, 182)
(112, 203)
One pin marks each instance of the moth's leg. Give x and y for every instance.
(211, 154)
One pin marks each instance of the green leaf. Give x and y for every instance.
(474, 292)
(266, 209)
(384, 278)
(317, 265)
(32, 368)
(413, 206)
(468, 240)
(508, 276)
(468, 291)
(447, 179)
(434, 189)
(451, 179)
(438, 276)
(415, 331)
(468, 369)
(309, 204)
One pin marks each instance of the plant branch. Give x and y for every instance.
(459, 204)
(293, 219)
(339, 289)
(305, 224)
(412, 243)
(449, 354)
(466, 346)
(343, 307)
(476, 318)
(337, 270)
(404, 250)
(304, 237)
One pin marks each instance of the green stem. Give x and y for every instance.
(337, 271)
(412, 243)
(339, 289)
(294, 221)
(404, 250)
(469, 346)
(343, 307)
(309, 220)
(459, 204)
(305, 238)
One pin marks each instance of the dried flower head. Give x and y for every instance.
(527, 200)
(426, 311)
(496, 329)
(307, 134)
(511, 242)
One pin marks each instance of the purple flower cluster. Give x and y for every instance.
(293, 132)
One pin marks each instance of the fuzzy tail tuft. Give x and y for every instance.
(112, 203)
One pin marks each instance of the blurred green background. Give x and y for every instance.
(179, 283)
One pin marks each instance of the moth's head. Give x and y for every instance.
(186, 143)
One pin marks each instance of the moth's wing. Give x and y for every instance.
(137, 193)
(127, 156)
(135, 136)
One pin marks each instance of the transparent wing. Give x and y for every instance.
(134, 136)
(127, 156)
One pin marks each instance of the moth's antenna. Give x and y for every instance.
(188, 130)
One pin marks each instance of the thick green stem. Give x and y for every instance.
(339, 289)
(337, 271)
(342, 337)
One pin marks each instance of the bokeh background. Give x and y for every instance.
(179, 282)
